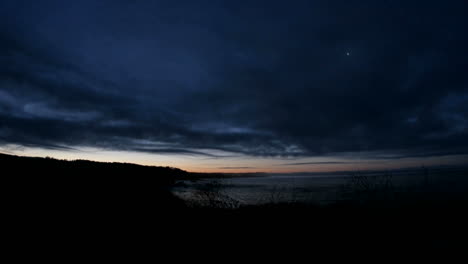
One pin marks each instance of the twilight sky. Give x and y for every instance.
(236, 85)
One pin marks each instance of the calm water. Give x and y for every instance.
(270, 189)
(309, 189)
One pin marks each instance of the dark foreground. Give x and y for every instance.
(71, 207)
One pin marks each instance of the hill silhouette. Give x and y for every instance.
(50, 186)
(57, 168)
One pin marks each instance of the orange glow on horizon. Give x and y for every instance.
(234, 164)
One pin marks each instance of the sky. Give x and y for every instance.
(236, 86)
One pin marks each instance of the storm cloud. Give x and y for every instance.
(255, 78)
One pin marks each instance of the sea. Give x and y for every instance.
(321, 189)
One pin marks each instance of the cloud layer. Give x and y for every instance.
(258, 78)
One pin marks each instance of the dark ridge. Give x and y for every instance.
(50, 186)
(55, 167)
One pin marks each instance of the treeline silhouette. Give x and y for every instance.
(54, 167)
(47, 186)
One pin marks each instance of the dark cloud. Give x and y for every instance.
(234, 168)
(316, 163)
(260, 78)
